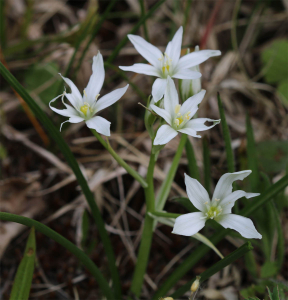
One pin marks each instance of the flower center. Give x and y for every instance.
(180, 120)
(165, 64)
(213, 211)
(85, 108)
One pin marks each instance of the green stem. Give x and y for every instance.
(120, 161)
(192, 164)
(145, 245)
(55, 134)
(85, 260)
(166, 185)
(207, 167)
(229, 259)
(227, 138)
(166, 215)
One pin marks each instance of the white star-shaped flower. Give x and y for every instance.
(85, 107)
(179, 117)
(169, 64)
(219, 208)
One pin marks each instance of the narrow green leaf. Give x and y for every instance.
(55, 134)
(280, 234)
(227, 138)
(275, 294)
(147, 234)
(166, 185)
(192, 164)
(83, 258)
(251, 264)
(23, 279)
(144, 23)
(206, 163)
(252, 156)
(134, 30)
(229, 259)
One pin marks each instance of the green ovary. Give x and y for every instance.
(213, 212)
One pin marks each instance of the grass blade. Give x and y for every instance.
(23, 279)
(192, 164)
(229, 259)
(55, 134)
(166, 185)
(252, 155)
(227, 138)
(207, 168)
(144, 23)
(134, 29)
(85, 260)
(94, 33)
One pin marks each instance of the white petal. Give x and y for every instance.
(164, 135)
(100, 124)
(110, 98)
(196, 58)
(158, 88)
(228, 202)
(147, 50)
(96, 80)
(189, 224)
(68, 112)
(173, 49)
(241, 224)
(191, 104)
(141, 69)
(162, 113)
(190, 132)
(196, 193)
(199, 124)
(224, 185)
(170, 97)
(76, 119)
(75, 97)
(187, 74)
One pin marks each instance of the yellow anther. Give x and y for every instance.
(84, 109)
(96, 97)
(180, 120)
(177, 108)
(84, 92)
(167, 67)
(217, 199)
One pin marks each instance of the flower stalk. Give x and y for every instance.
(120, 161)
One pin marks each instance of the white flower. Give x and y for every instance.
(169, 64)
(84, 108)
(179, 116)
(219, 208)
(190, 87)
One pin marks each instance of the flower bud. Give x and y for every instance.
(190, 87)
(195, 285)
